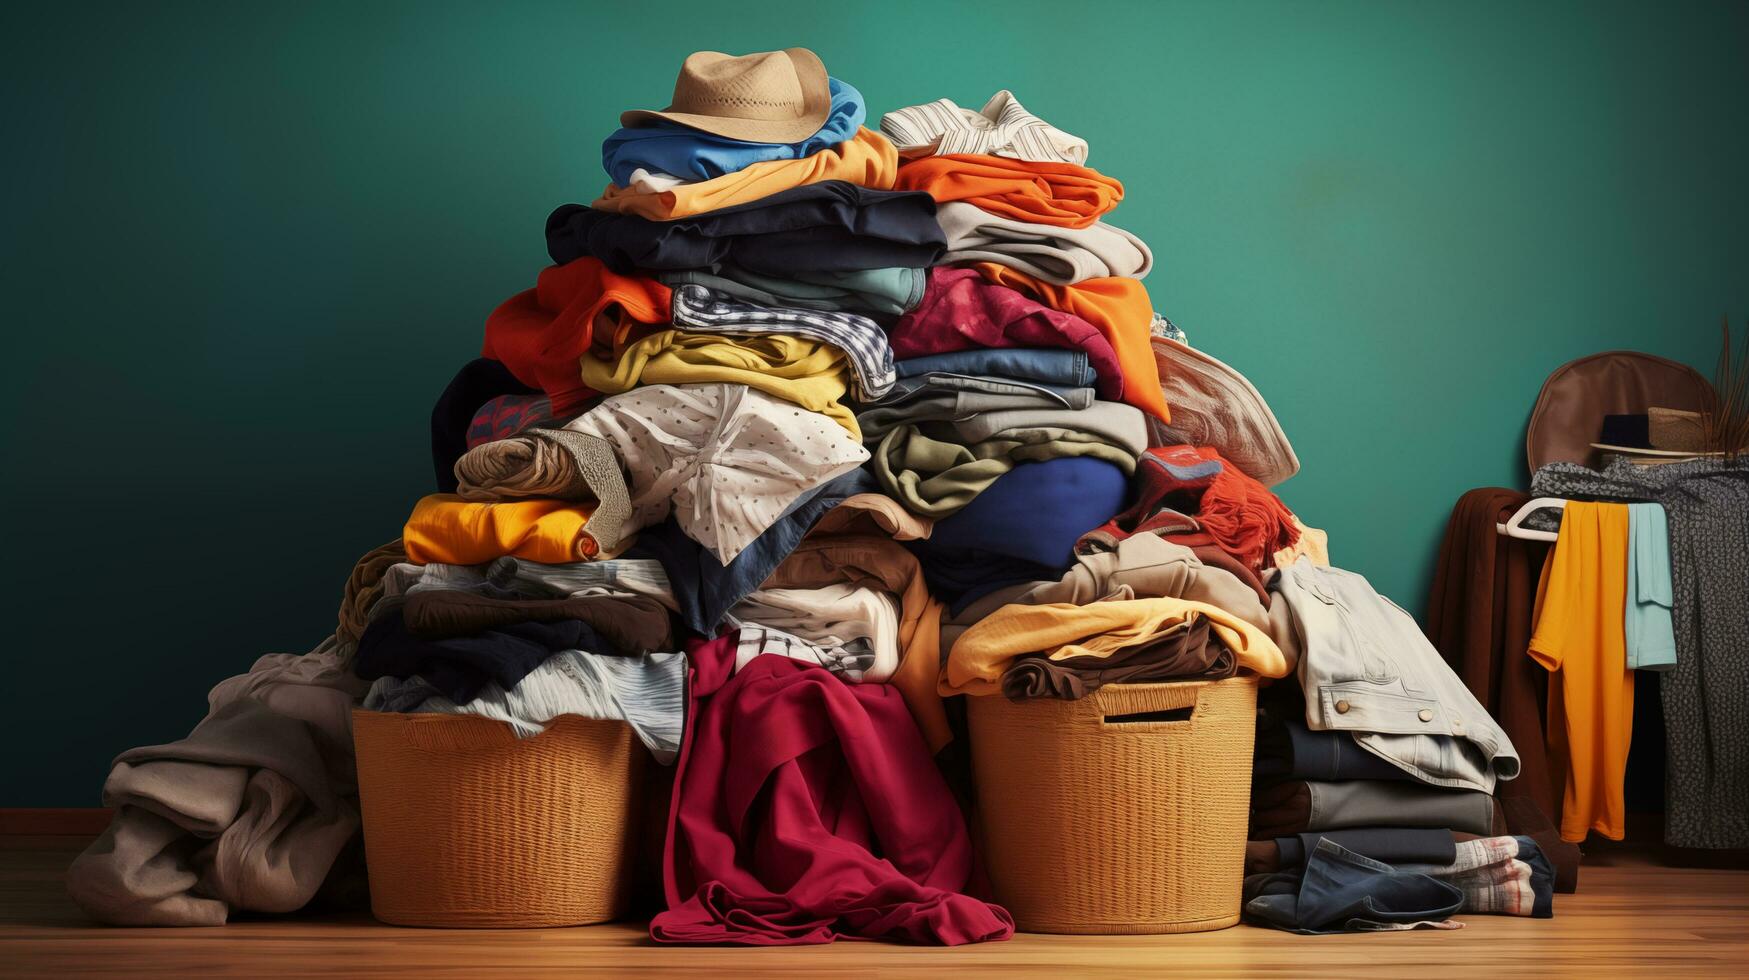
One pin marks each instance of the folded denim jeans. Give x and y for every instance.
(1341, 891)
(1287, 749)
(996, 371)
(1063, 368)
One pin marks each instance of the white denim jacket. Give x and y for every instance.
(1366, 668)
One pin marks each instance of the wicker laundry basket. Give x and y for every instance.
(1120, 813)
(467, 825)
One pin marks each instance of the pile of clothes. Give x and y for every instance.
(1375, 774)
(807, 429)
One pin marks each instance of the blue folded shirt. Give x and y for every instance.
(691, 154)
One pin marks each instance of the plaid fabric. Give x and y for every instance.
(862, 340)
(849, 662)
(506, 415)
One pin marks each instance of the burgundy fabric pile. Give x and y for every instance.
(806, 809)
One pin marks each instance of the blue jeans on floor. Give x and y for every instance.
(1341, 891)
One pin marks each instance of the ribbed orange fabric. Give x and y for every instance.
(1119, 308)
(1059, 194)
(868, 160)
(445, 528)
(540, 333)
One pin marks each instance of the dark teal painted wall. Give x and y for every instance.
(245, 245)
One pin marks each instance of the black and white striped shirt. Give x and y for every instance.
(861, 339)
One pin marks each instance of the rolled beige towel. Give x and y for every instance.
(521, 466)
(557, 463)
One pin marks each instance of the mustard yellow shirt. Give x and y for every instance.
(806, 372)
(1099, 629)
(447, 529)
(1580, 635)
(867, 159)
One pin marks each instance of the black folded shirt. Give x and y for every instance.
(459, 666)
(831, 226)
(1287, 749)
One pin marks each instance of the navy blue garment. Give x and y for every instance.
(1013, 370)
(1287, 749)
(478, 382)
(1392, 845)
(832, 226)
(1064, 368)
(704, 588)
(459, 666)
(1341, 891)
(1022, 528)
(1542, 877)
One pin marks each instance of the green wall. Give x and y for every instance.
(245, 245)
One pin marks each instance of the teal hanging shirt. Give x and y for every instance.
(1651, 638)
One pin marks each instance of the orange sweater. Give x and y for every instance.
(447, 529)
(1041, 193)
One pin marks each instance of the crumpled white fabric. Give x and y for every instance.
(1002, 128)
(852, 630)
(654, 182)
(725, 459)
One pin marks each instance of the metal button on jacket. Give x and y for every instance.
(1342, 707)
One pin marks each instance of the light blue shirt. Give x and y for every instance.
(1651, 636)
(680, 151)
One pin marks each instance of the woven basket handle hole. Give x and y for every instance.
(1153, 717)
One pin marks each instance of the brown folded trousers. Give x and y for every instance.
(1187, 651)
(631, 623)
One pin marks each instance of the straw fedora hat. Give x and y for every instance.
(769, 97)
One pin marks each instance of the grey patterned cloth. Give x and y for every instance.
(861, 339)
(1706, 695)
(647, 692)
(1543, 519)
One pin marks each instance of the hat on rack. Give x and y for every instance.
(768, 97)
(1565, 422)
(1673, 428)
(1658, 435)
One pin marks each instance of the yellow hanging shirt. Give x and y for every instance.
(1579, 636)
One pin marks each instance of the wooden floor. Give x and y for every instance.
(1630, 918)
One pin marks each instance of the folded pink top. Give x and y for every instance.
(961, 310)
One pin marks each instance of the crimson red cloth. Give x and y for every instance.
(1239, 515)
(961, 310)
(805, 809)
